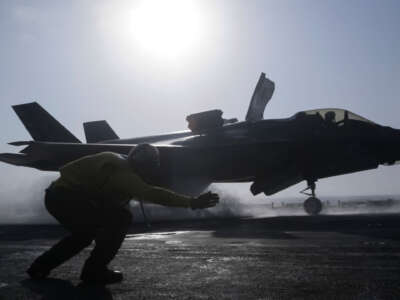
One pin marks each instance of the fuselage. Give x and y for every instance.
(273, 154)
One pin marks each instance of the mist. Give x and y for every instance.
(23, 203)
(333, 205)
(230, 205)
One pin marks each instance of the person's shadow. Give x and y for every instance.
(57, 289)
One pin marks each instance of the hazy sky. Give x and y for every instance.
(144, 66)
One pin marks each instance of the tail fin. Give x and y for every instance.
(41, 125)
(98, 131)
(261, 96)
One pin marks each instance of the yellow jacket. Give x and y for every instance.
(107, 178)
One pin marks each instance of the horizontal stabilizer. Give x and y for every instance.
(14, 159)
(98, 131)
(41, 125)
(20, 143)
(261, 96)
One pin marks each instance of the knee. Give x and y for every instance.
(83, 240)
(49, 202)
(120, 218)
(127, 218)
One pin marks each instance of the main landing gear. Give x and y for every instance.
(312, 205)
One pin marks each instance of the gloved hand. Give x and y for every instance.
(205, 200)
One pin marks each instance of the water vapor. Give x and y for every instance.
(231, 205)
(23, 202)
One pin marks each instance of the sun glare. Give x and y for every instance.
(166, 29)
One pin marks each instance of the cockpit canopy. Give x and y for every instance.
(334, 115)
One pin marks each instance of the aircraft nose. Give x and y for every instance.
(389, 146)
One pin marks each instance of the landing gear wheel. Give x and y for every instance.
(312, 206)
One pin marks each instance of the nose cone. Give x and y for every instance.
(389, 146)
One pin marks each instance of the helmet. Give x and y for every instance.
(144, 156)
(330, 116)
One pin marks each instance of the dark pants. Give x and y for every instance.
(107, 226)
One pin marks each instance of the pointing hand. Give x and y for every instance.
(205, 200)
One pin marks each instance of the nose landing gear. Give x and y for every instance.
(312, 205)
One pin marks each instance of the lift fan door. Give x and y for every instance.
(261, 96)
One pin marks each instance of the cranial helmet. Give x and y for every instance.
(330, 116)
(144, 156)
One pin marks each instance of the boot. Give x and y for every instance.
(102, 277)
(37, 271)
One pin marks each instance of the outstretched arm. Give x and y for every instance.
(129, 183)
(168, 198)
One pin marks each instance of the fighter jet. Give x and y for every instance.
(273, 154)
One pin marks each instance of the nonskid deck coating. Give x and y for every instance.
(324, 257)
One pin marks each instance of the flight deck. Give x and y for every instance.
(300, 257)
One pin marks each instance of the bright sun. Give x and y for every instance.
(166, 29)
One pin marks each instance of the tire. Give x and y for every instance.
(312, 206)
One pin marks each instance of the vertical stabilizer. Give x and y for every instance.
(41, 125)
(98, 131)
(261, 96)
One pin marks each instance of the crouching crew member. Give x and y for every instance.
(91, 200)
